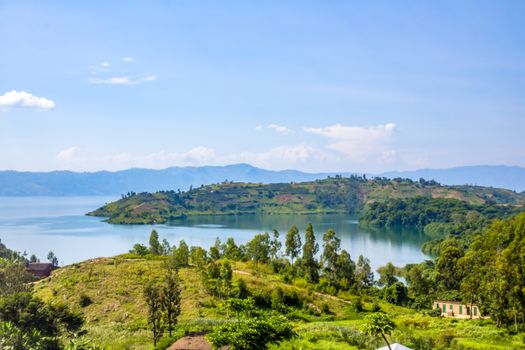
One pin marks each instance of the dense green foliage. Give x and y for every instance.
(252, 334)
(342, 195)
(26, 321)
(422, 211)
(29, 323)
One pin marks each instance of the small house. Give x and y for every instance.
(457, 309)
(40, 270)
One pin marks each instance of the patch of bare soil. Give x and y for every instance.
(193, 341)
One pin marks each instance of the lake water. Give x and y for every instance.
(40, 224)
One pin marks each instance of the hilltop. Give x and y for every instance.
(332, 195)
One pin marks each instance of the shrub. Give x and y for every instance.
(375, 307)
(84, 300)
(325, 309)
(357, 305)
(254, 334)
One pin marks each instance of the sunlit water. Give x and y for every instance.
(40, 224)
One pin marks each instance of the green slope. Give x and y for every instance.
(116, 318)
(332, 195)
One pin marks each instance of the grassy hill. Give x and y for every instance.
(331, 195)
(116, 317)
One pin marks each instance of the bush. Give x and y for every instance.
(84, 300)
(357, 305)
(254, 334)
(325, 309)
(375, 307)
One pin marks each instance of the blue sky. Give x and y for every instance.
(310, 85)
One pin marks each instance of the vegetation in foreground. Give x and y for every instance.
(327, 303)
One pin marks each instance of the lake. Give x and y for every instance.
(40, 224)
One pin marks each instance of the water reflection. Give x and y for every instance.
(38, 225)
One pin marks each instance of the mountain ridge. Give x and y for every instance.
(70, 183)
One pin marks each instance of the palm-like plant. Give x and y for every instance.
(378, 323)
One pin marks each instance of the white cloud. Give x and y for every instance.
(259, 127)
(24, 99)
(105, 64)
(196, 155)
(123, 80)
(280, 129)
(199, 155)
(67, 154)
(128, 59)
(359, 143)
(282, 157)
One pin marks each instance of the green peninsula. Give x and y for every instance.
(331, 195)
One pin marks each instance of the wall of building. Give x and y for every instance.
(457, 310)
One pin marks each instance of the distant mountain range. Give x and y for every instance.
(67, 183)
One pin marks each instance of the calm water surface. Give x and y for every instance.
(39, 224)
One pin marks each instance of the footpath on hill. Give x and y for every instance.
(333, 297)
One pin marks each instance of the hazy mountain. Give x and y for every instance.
(67, 183)
(510, 177)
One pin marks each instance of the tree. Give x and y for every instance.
(275, 245)
(154, 245)
(364, 275)
(33, 259)
(181, 255)
(14, 279)
(420, 279)
(378, 323)
(449, 276)
(258, 249)
(153, 299)
(166, 248)
(226, 276)
(387, 275)
(171, 299)
(52, 258)
(215, 250)
(310, 249)
(139, 249)
(396, 293)
(199, 257)
(232, 251)
(239, 306)
(345, 270)
(331, 247)
(293, 243)
(497, 257)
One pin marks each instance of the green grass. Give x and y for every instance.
(116, 318)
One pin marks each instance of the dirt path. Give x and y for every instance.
(195, 341)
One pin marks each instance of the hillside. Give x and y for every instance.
(116, 316)
(331, 195)
(68, 183)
